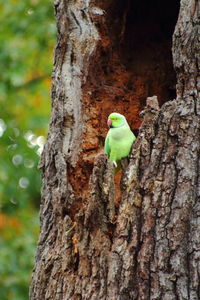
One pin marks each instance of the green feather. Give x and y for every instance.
(107, 147)
(119, 138)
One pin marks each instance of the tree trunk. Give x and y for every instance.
(140, 238)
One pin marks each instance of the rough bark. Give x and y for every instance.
(139, 240)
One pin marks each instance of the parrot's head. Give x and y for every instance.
(116, 120)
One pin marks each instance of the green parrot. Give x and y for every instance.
(119, 138)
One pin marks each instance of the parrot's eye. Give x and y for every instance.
(115, 119)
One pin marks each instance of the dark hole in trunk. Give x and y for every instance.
(133, 59)
(145, 47)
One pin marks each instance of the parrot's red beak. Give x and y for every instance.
(109, 122)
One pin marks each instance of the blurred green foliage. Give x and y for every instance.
(17, 244)
(26, 53)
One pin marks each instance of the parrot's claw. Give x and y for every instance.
(115, 164)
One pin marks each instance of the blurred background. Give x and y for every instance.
(27, 40)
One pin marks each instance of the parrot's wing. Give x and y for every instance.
(106, 146)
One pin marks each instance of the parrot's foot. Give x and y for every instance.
(115, 164)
